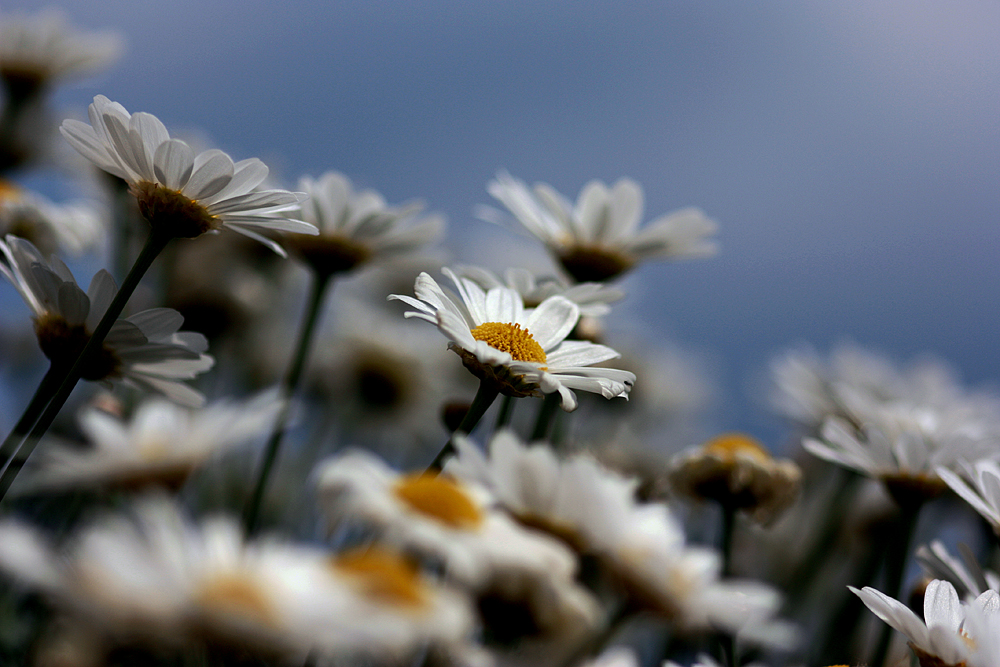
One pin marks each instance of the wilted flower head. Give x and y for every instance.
(599, 238)
(146, 350)
(736, 471)
(523, 350)
(357, 227)
(181, 194)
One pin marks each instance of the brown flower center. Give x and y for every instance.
(234, 596)
(172, 212)
(328, 254)
(593, 263)
(512, 339)
(439, 498)
(62, 343)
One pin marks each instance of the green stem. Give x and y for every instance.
(30, 415)
(726, 542)
(505, 413)
(895, 566)
(155, 243)
(545, 414)
(485, 395)
(290, 385)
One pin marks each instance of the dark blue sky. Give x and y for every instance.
(849, 150)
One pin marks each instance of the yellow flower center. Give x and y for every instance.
(383, 575)
(512, 339)
(172, 211)
(9, 192)
(728, 445)
(235, 596)
(439, 498)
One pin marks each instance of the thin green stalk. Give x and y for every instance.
(30, 415)
(155, 243)
(290, 385)
(485, 395)
(895, 566)
(545, 415)
(505, 413)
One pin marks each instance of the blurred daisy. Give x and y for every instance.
(642, 544)
(181, 194)
(599, 238)
(145, 350)
(155, 578)
(968, 578)
(36, 50)
(940, 638)
(736, 471)
(593, 299)
(980, 487)
(905, 445)
(161, 445)
(453, 523)
(523, 350)
(49, 226)
(357, 227)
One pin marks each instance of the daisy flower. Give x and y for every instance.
(523, 350)
(599, 238)
(737, 471)
(357, 227)
(968, 577)
(181, 194)
(593, 299)
(980, 487)
(162, 444)
(155, 578)
(905, 445)
(642, 544)
(38, 49)
(940, 638)
(49, 226)
(145, 350)
(453, 523)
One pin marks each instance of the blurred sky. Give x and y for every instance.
(849, 150)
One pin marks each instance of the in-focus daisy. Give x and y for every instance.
(357, 227)
(154, 578)
(599, 238)
(523, 350)
(146, 350)
(181, 194)
(161, 445)
(941, 637)
(49, 226)
(38, 49)
(641, 544)
(738, 472)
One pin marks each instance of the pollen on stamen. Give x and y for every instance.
(512, 339)
(439, 498)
